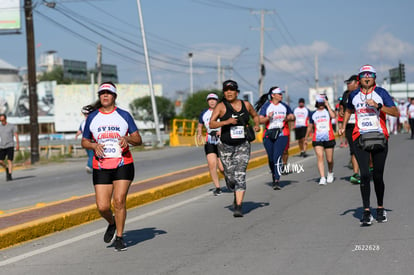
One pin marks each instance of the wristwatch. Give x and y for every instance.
(379, 106)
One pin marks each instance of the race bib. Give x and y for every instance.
(368, 123)
(322, 126)
(300, 121)
(352, 119)
(278, 124)
(112, 149)
(237, 132)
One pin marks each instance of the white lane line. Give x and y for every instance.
(100, 231)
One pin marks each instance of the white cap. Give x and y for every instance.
(367, 68)
(320, 98)
(107, 87)
(212, 96)
(278, 91)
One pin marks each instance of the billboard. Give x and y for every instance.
(14, 102)
(69, 100)
(10, 15)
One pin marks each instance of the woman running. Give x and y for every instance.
(232, 115)
(371, 104)
(323, 141)
(108, 131)
(212, 138)
(275, 114)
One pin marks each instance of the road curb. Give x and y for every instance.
(41, 227)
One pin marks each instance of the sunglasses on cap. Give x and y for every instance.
(367, 75)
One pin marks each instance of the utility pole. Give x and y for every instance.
(31, 71)
(151, 88)
(99, 65)
(190, 57)
(316, 74)
(262, 66)
(219, 72)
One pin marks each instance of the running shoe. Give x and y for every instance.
(355, 179)
(330, 178)
(88, 169)
(322, 181)
(381, 215)
(366, 218)
(109, 234)
(238, 211)
(217, 191)
(119, 244)
(276, 185)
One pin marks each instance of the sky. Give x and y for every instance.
(341, 35)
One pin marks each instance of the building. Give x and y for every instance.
(8, 73)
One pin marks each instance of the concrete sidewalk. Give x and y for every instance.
(39, 221)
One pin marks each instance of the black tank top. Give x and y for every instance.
(242, 120)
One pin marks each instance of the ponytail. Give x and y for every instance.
(258, 105)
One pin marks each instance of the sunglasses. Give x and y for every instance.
(367, 75)
(105, 93)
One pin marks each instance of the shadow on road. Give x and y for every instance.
(249, 206)
(133, 237)
(357, 212)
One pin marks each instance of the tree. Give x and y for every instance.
(196, 103)
(141, 109)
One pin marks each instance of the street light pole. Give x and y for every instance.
(190, 56)
(153, 102)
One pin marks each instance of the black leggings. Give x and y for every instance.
(378, 163)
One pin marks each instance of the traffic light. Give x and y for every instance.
(402, 72)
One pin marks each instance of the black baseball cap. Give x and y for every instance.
(353, 77)
(301, 100)
(230, 85)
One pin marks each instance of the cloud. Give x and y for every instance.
(386, 47)
(300, 58)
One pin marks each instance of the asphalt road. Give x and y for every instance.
(302, 229)
(58, 181)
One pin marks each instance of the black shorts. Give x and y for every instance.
(107, 176)
(210, 149)
(324, 144)
(9, 152)
(300, 132)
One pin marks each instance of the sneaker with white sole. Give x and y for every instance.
(119, 244)
(217, 191)
(381, 215)
(330, 178)
(322, 181)
(366, 218)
